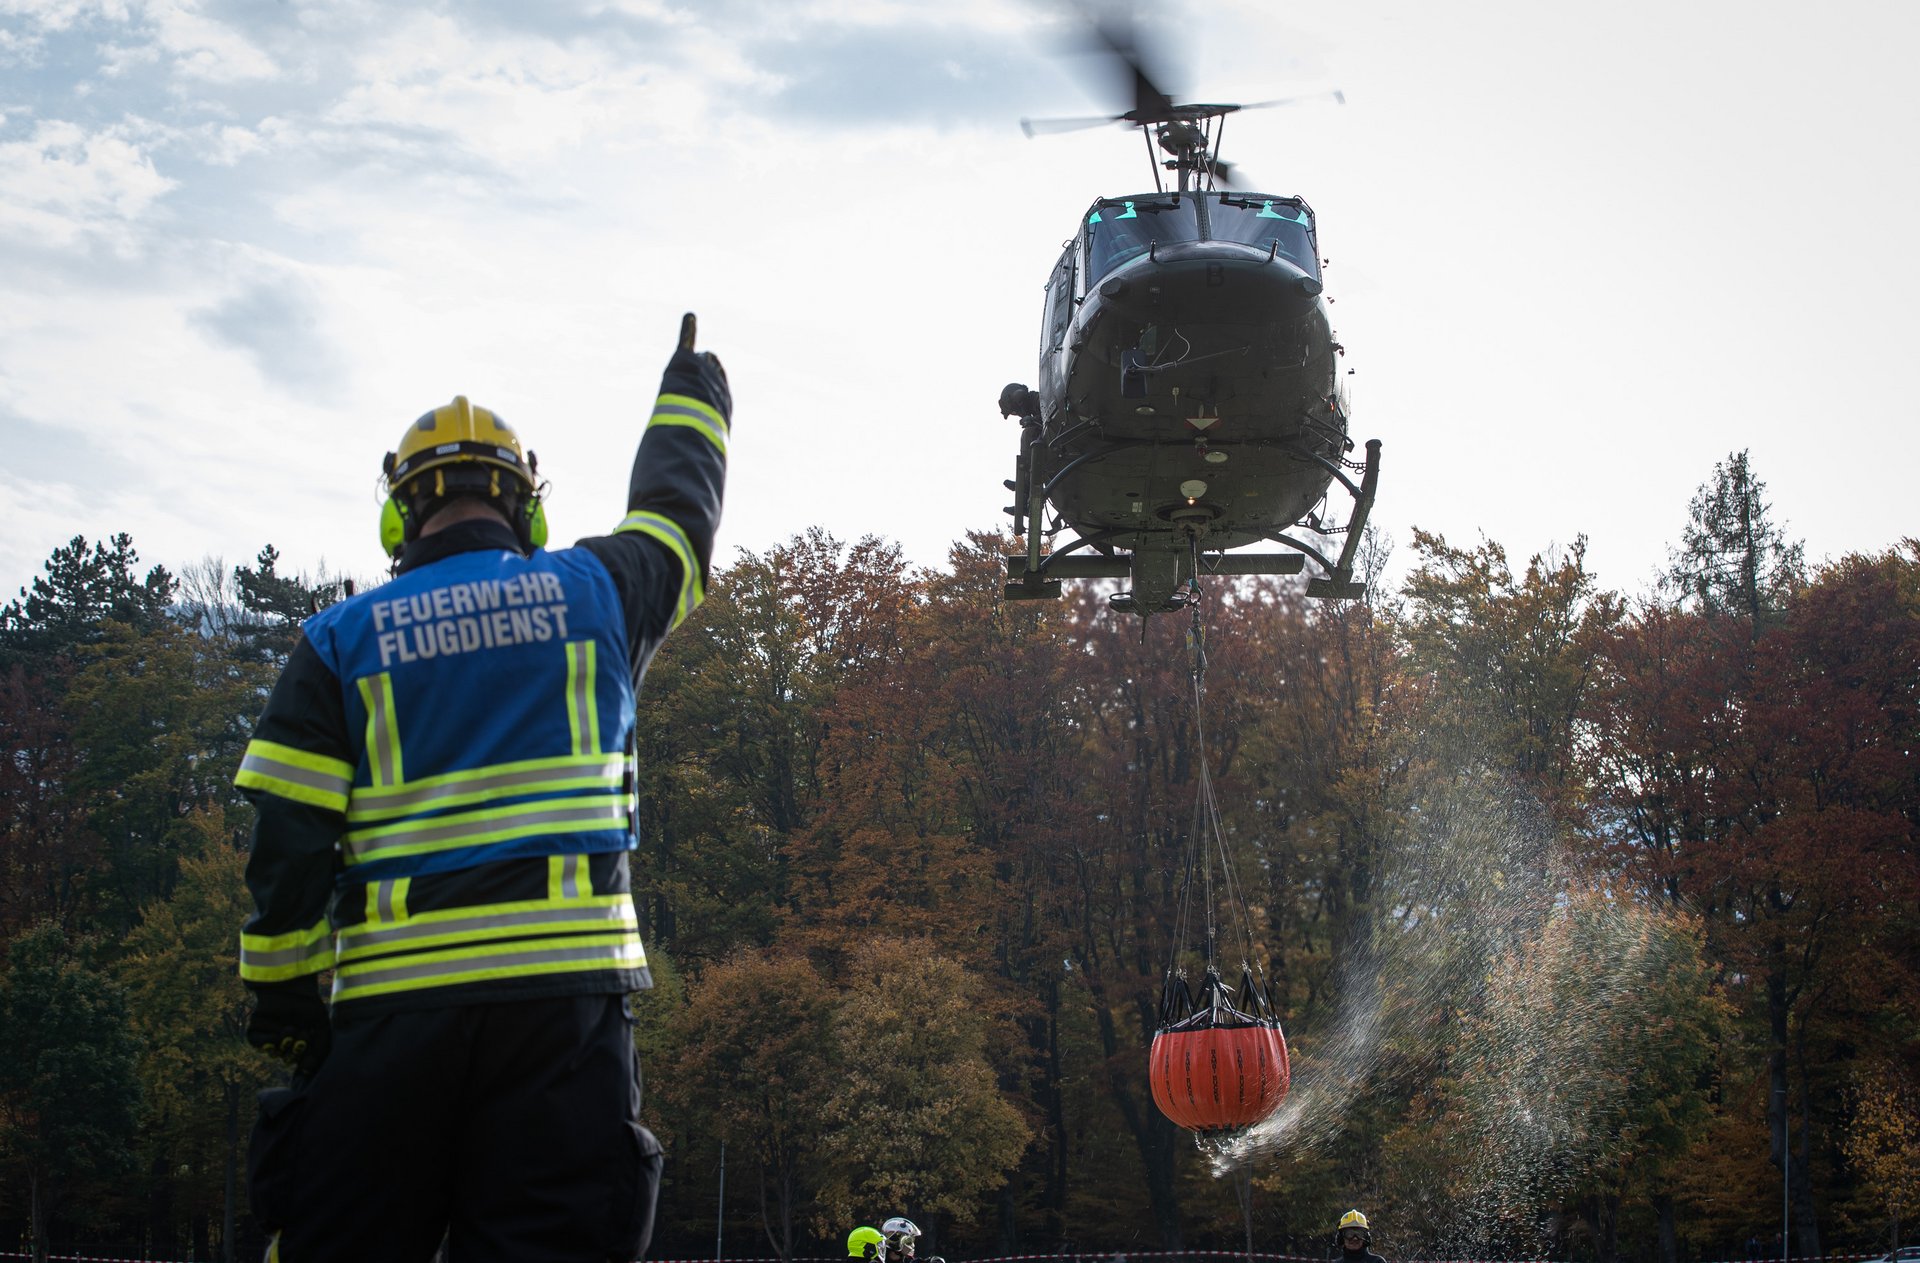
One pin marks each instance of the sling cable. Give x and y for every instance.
(1218, 1064)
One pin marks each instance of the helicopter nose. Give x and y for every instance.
(1227, 280)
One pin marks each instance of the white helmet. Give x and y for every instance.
(900, 1233)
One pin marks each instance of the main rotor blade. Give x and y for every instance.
(1151, 103)
(1048, 126)
(1336, 96)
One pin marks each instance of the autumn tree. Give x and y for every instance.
(1764, 776)
(733, 722)
(1883, 1142)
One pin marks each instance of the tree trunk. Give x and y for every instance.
(1669, 1237)
(1606, 1227)
(36, 1217)
(1806, 1219)
(1152, 1134)
(230, 1181)
(1057, 1152)
(1777, 1013)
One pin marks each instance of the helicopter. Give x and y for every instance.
(1190, 399)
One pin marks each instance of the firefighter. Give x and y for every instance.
(443, 777)
(900, 1234)
(1355, 1239)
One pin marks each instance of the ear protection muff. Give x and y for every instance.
(393, 515)
(393, 527)
(534, 522)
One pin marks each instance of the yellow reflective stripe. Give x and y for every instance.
(668, 532)
(386, 901)
(563, 876)
(277, 957)
(600, 913)
(481, 784)
(695, 414)
(383, 729)
(478, 828)
(583, 707)
(521, 958)
(296, 774)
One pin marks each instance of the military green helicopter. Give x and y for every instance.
(1190, 398)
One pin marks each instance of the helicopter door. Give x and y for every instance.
(1053, 327)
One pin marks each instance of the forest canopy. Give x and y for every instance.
(1585, 911)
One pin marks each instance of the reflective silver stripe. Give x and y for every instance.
(681, 410)
(278, 957)
(582, 655)
(615, 917)
(383, 900)
(486, 827)
(707, 423)
(626, 954)
(606, 772)
(261, 765)
(380, 729)
(570, 877)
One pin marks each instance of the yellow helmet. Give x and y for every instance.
(470, 451)
(457, 434)
(863, 1243)
(1351, 1220)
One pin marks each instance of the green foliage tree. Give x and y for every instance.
(755, 1058)
(1513, 654)
(163, 718)
(917, 1117)
(85, 587)
(189, 1009)
(69, 1095)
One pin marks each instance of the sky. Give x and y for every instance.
(1579, 253)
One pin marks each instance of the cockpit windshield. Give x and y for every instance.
(1120, 230)
(1264, 221)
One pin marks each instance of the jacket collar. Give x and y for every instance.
(478, 535)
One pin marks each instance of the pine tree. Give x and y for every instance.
(1733, 558)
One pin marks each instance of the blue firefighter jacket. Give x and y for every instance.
(443, 773)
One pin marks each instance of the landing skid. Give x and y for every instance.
(1033, 576)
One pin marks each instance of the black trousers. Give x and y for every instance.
(511, 1129)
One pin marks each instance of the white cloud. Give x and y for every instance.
(66, 185)
(204, 49)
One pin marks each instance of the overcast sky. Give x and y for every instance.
(1579, 253)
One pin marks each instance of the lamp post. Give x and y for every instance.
(720, 1213)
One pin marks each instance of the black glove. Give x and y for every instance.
(697, 373)
(290, 1022)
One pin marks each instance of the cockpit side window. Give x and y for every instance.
(1284, 225)
(1119, 230)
